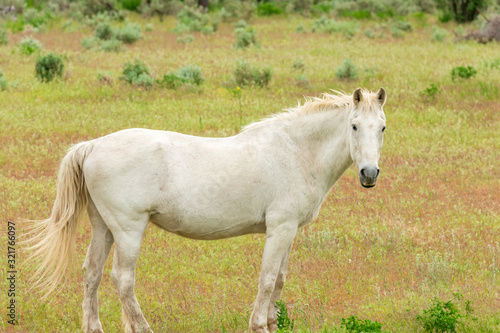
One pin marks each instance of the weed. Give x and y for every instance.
(430, 92)
(348, 70)
(244, 74)
(302, 81)
(112, 45)
(462, 72)
(48, 67)
(129, 34)
(300, 29)
(245, 37)
(443, 316)
(298, 65)
(354, 324)
(29, 46)
(3, 81)
(105, 78)
(137, 73)
(185, 39)
(4, 39)
(403, 26)
(149, 27)
(356, 14)
(285, 324)
(438, 34)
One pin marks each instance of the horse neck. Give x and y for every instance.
(324, 144)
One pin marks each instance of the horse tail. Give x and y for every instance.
(53, 245)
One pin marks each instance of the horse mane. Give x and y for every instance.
(327, 102)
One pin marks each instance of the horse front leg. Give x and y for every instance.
(272, 312)
(279, 241)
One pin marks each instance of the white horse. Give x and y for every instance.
(271, 178)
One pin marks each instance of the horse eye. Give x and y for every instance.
(383, 129)
(354, 127)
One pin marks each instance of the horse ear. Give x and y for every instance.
(381, 96)
(357, 96)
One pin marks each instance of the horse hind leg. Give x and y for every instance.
(127, 249)
(97, 253)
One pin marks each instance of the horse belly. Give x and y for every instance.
(206, 228)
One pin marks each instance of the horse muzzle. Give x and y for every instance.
(368, 176)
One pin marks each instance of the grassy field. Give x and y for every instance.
(430, 228)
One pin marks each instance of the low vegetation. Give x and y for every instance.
(387, 259)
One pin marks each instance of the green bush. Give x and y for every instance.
(402, 25)
(348, 70)
(461, 11)
(103, 31)
(131, 4)
(430, 92)
(193, 19)
(443, 316)
(244, 74)
(112, 45)
(268, 9)
(369, 33)
(245, 37)
(49, 67)
(149, 27)
(357, 14)
(284, 322)
(89, 42)
(462, 72)
(354, 324)
(16, 25)
(3, 81)
(29, 46)
(137, 73)
(129, 34)
(189, 74)
(323, 24)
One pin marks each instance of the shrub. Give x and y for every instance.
(465, 11)
(4, 39)
(131, 4)
(137, 73)
(89, 42)
(103, 31)
(186, 39)
(354, 324)
(129, 34)
(244, 74)
(48, 67)
(402, 25)
(188, 74)
(3, 81)
(284, 322)
(369, 33)
(245, 37)
(302, 81)
(112, 45)
(323, 24)
(347, 70)
(438, 34)
(29, 46)
(268, 9)
(357, 14)
(149, 27)
(193, 19)
(443, 316)
(34, 18)
(462, 72)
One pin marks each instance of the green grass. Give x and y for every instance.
(430, 227)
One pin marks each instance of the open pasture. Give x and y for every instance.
(430, 228)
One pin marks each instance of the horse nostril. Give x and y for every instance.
(362, 172)
(378, 172)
